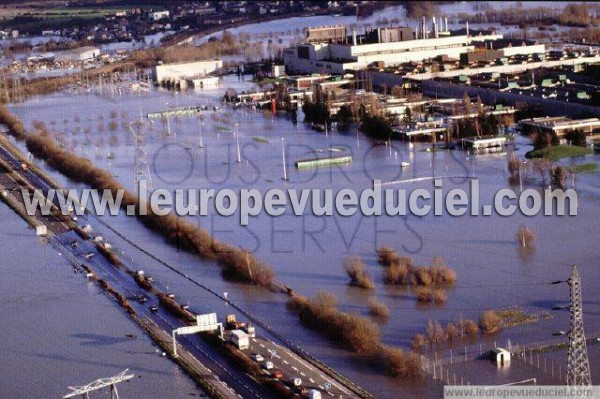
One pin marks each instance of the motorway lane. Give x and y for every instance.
(292, 366)
(227, 372)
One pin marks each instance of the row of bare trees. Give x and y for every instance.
(437, 335)
(357, 333)
(236, 264)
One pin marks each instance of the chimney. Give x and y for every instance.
(354, 37)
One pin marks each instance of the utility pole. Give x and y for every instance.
(578, 366)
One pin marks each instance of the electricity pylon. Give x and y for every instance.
(111, 382)
(141, 170)
(578, 366)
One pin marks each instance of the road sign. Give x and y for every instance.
(189, 330)
(206, 319)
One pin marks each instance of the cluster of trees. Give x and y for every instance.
(378, 310)
(483, 124)
(525, 236)
(576, 137)
(580, 15)
(543, 140)
(236, 264)
(401, 270)
(430, 295)
(436, 334)
(315, 112)
(357, 333)
(420, 9)
(376, 126)
(577, 15)
(356, 270)
(228, 44)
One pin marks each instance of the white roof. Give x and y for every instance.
(239, 334)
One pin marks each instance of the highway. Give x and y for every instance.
(286, 357)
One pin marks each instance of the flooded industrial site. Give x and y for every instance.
(307, 252)
(65, 330)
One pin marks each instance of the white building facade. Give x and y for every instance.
(78, 54)
(163, 72)
(336, 58)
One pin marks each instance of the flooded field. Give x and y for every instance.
(60, 330)
(307, 252)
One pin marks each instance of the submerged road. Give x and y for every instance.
(289, 359)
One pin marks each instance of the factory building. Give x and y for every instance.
(181, 71)
(78, 54)
(560, 125)
(329, 50)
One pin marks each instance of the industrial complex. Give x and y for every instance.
(331, 50)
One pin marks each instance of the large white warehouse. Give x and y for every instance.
(163, 72)
(79, 54)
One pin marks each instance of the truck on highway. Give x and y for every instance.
(231, 323)
(240, 339)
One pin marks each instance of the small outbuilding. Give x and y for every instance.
(501, 356)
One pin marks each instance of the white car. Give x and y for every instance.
(268, 365)
(257, 357)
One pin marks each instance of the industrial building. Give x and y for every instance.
(560, 125)
(162, 73)
(158, 15)
(79, 54)
(330, 50)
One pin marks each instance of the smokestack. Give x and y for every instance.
(417, 32)
(354, 37)
(378, 35)
(424, 25)
(467, 28)
(446, 23)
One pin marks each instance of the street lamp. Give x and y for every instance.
(283, 157)
(168, 120)
(201, 145)
(237, 140)
(520, 175)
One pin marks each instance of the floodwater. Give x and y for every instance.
(306, 252)
(58, 330)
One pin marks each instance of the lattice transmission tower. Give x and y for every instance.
(141, 170)
(578, 365)
(111, 382)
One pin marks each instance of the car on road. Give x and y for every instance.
(154, 308)
(257, 357)
(277, 374)
(296, 381)
(268, 365)
(142, 298)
